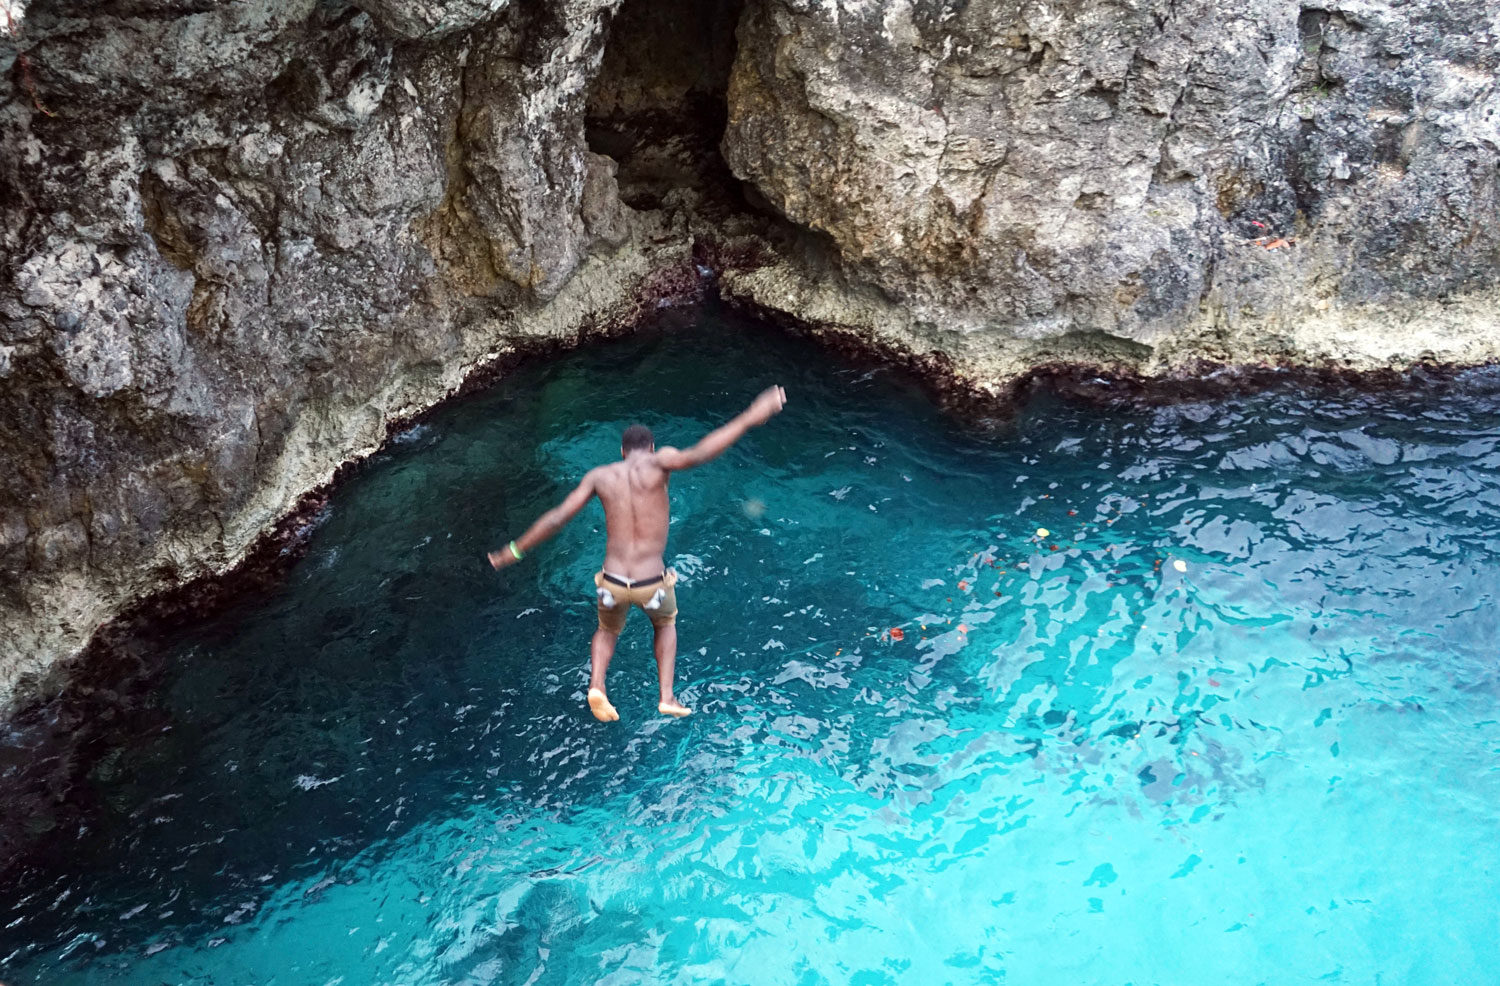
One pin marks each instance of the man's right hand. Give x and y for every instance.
(767, 405)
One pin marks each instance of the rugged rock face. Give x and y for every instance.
(1007, 176)
(240, 238)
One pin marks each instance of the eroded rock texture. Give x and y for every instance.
(238, 237)
(1034, 168)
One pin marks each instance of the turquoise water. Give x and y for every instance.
(1077, 765)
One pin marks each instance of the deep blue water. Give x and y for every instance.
(1078, 765)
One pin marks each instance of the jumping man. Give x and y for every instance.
(634, 494)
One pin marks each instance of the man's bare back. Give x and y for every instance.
(637, 515)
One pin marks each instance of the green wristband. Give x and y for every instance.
(516, 551)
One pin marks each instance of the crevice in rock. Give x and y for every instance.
(657, 106)
(165, 226)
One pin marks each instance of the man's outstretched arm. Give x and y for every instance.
(547, 524)
(714, 444)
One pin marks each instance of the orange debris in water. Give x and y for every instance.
(962, 584)
(897, 633)
(962, 628)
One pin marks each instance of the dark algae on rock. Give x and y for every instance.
(240, 239)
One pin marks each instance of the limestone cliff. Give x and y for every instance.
(240, 238)
(1136, 182)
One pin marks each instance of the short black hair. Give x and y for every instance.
(637, 437)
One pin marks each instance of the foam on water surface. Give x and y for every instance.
(959, 715)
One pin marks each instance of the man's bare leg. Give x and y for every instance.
(666, 667)
(601, 649)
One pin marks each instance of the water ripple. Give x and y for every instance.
(1238, 699)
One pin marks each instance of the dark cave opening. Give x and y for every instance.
(657, 106)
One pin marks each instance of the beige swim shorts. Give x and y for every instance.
(625, 594)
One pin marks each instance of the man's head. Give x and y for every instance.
(637, 437)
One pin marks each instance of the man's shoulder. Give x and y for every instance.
(606, 472)
(613, 473)
(667, 458)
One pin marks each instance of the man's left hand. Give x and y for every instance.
(499, 559)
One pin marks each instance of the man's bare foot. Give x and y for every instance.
(673, 708)
(599, 705)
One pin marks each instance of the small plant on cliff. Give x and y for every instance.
(23, 63)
